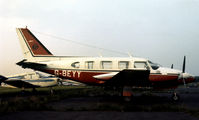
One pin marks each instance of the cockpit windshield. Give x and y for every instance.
(154, 66)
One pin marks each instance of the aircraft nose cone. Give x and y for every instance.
(188, 78)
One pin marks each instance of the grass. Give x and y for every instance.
(11, 100)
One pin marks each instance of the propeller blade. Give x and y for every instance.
(184, 63)
(172, 66)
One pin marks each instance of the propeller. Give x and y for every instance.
(184, 63)
(183, 70)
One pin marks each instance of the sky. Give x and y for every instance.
(160, 30)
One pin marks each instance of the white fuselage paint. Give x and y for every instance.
(65, 64)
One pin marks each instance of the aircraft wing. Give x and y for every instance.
(105, 77)
(20, 83)
(131, 77)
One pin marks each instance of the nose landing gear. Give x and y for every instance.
(175, 97)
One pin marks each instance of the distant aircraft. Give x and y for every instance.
(28, 80)
(70, 83)
(119, 72)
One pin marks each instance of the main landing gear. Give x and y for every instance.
(127, 93)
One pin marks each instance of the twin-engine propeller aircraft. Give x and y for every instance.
(29, 80)
(116, 72)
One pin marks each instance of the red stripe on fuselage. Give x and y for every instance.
(87, 76)
(80, 76)
(162, 78)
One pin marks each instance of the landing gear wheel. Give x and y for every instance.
(175, 97)
(127, 98)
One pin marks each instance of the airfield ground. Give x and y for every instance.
(84, 102)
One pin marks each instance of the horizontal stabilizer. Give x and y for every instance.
(25, 64)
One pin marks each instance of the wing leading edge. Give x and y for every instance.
(20, 83)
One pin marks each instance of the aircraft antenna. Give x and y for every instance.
(82, 44)
(129, 54)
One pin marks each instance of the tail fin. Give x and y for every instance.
(31, 45)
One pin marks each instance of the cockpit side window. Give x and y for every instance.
(154, 66)
(75, 64)
(138, 64)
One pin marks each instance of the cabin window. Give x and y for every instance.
(106, 64)
(89, 64)
(75, 64)
(141, 65)
(123, 64)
